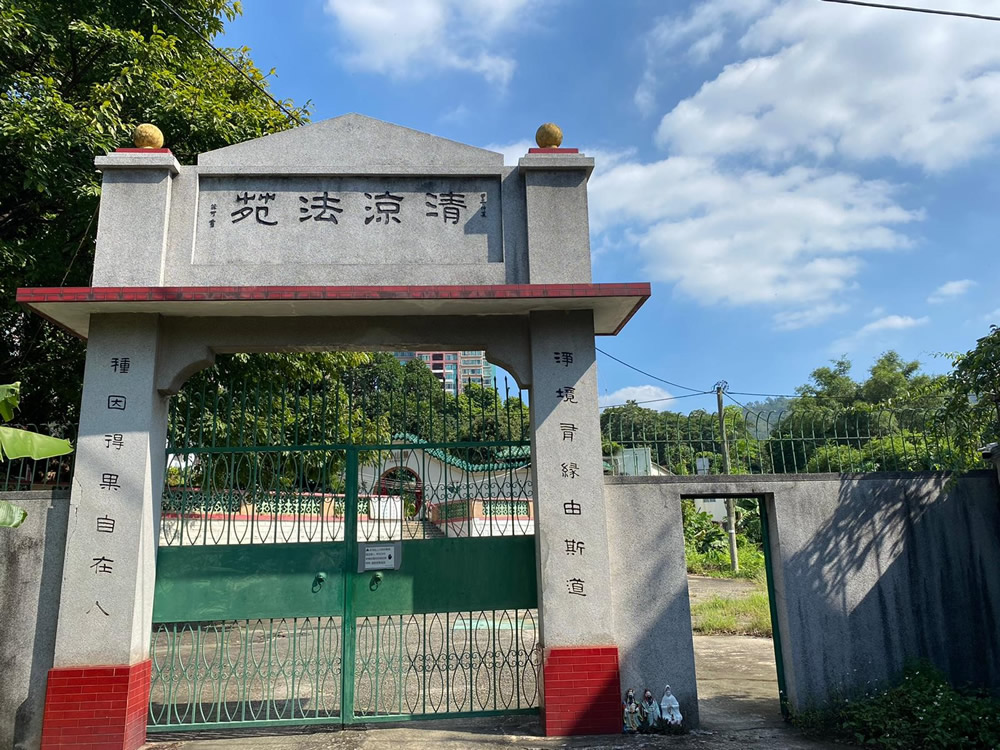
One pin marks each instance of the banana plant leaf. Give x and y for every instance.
(15, 443)
(10, 396)
(11, 516)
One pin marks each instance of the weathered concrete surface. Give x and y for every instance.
(31, 562)
(872, 571)
(737, 683)
(512, 732)
(652, 615)
(567, 482)
(109, 575)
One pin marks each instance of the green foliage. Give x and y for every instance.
(11, 516)
(923, 711)
(974, 385)
(896, 419)
(715, 562)
(701, 533)
(733, 615)
(15, 443)
(75, 79)
(327, 399)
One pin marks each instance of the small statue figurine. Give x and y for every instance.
(630, 714)
(650, 710)
(670, 709)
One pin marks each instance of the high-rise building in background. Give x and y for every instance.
(454, 369)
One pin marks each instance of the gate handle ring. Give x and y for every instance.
(318, 581)
(375, 581)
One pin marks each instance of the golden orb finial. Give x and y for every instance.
(147, 136)
(549, 135)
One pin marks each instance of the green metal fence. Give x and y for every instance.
(22, 474)
(639, 441)
(254, 468)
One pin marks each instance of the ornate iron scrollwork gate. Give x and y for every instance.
(261, 616)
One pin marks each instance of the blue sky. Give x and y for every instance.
(798, 179)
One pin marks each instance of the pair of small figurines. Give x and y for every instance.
(648, 715)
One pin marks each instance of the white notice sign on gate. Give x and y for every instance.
(384, 556)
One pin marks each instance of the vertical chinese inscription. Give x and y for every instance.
(570, 469)
(104, 522)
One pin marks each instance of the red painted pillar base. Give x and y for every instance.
(97, 708)
(581, 686)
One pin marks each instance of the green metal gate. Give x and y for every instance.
(261, 616)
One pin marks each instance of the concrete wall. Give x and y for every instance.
(870, 571)
(31, 561)
(652, 615)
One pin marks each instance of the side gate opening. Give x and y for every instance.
(343, 553)
(740, 675)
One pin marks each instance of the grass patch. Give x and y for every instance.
(744, 615)
(715, 563)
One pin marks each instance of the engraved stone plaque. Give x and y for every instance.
(317, 220)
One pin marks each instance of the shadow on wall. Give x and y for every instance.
(893, 569)
(652, 613)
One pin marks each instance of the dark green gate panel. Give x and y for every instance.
(453, 575)
(243, 582)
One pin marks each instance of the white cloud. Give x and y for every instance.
(891, 323)
(950, 290)
(884, 326)
(649, 396)
(702, 32)
(418, 37)
(993, 317)
(821, 80)
(748, 236)
(456, 115)
(791, 320)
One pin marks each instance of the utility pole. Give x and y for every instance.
(734, 560)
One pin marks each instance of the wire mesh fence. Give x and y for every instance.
(640, 442)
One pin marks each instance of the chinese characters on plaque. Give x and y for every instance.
(380, 208)
(349, 220)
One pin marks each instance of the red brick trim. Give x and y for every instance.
(142, 151)
(581, 690)
(230, 293)
(96, 708)
(553, 150)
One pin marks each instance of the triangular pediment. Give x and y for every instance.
(351, 141)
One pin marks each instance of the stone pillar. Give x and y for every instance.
(135, 209)
(98, 690)
(580, 668)
(555, 188)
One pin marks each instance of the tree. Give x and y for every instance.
(75, 79)
(974, 398)
(15, 443)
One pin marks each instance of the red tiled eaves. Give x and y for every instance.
(229, 293)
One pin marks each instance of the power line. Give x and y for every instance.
(233, 65)
(697, 391)
(912, 9)
(655, 400)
